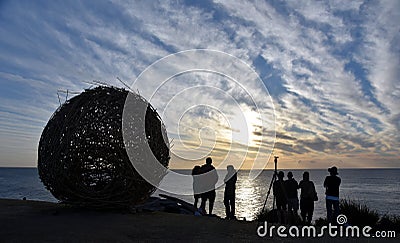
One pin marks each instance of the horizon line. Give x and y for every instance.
(342, 168)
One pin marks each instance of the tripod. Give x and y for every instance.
(271, 184)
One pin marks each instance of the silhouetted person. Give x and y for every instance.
(291, 187)
(229, 194)
(331, 184)
(307, 197)
(280, 197)
(280, 192)
(196, 185)
(209, 180)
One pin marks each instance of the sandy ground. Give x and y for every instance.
(31, 221)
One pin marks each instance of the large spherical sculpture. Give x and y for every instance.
(82, 157)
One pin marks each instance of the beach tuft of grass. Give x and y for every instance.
(357, 213)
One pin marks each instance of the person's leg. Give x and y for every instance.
(306, 203)
(310, 211)
(329, 210)
(232, 201)
(336, 210)
(296, 205)
(279, 207)
(211, 202)
(210, 207)
(203, 201)
(284, 212)
(196, 201)
(303, 211)
(290, 205)
(227, 209)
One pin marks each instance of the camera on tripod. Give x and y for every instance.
(273, 179)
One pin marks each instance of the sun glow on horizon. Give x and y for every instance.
(244, 127)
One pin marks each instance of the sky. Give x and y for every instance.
(330, 68)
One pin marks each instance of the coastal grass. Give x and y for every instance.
(357, 213)
(389, 222)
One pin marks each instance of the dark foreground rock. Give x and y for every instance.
(31, 221)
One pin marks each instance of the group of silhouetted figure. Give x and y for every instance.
(285, 192)
(205, 178)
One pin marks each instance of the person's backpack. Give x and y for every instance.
(311, 193)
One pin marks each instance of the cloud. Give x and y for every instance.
(332, 68)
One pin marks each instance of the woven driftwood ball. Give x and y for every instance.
(82, 157)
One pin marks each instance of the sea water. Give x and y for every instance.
(377, 188)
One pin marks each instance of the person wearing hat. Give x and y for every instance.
(331, 184)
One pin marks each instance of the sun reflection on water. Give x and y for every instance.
(250, 196)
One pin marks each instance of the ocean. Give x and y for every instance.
(379, 189)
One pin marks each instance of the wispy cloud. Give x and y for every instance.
(331, 68)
